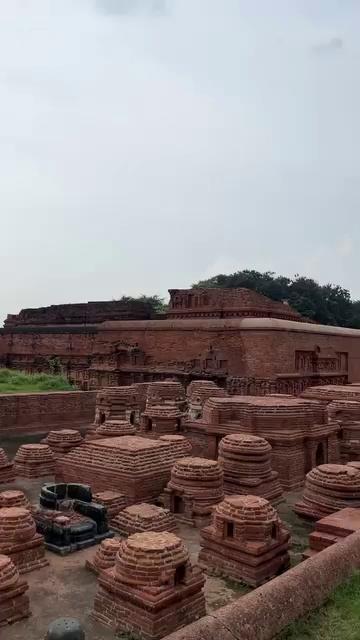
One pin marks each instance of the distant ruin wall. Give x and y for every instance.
(24, 413)
(263, 613)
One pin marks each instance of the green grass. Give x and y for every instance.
(12, 381)
(338, 619)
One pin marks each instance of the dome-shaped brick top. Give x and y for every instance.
(34, 453)
(9, 575)
(150, 558)
(114, 393)
(65, 437)
(335, 475)
(16, 525)
(3, 458)
(113, 428)
(13, 498)
(244, 443)
(197, 469)
(329, 488)
(247, 509)
(105, 555)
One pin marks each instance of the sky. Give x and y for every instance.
(148, 144)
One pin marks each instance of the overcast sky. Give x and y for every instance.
(147, 144)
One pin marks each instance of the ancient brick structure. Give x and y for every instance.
(328, 393)
(298, 431)
(143, 517)
(246, 461)
(329, 488)
(14, 602)
(14, 498)
(114, 428)
(7, 471)
(196, 485)
(331, 529)
(138, 467)
(180, 446)
(34, 461)
(198, 392)
(112, 500)
(105, 555)
(167, 393)
(159, 419)
(62, 441)
(246, 540)
(19, 540)
(116, 403)
(152, 590)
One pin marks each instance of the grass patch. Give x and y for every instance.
(337, 619)
(12, 381)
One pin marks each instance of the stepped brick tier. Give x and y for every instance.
(7, 471)
(114, 428)
(63, 441)
(138, 467)
(14, 602)
(329, 488)
(113, 501)
(68, 519)
(350, 441)
(116, 403)
(246, 461)
(159, 419)
(143, 517)
(298, 431)
(168, 393)
(180, 446)
(34, 461)
(198, 392)
(19, 540)
(246, 540)
(105, 555)
(13, 498)
(332, 529)
(330, 392)
(196, 485)
(343, 411)
(152, 590)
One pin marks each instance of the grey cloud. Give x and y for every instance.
(330, 46)
(124, 7)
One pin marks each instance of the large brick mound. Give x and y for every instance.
(14, 602)
(329, 488)
(34, 461)
(153, 588)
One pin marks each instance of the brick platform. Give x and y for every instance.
(34, 461)
(143, 517)
(246, 540)
(246, 461)
(105, 555)
(196, 485)
(159, 419)
(112, 500)
(63, 441)
(115, 428)
(14, 604)
(180, 446)
(7, 471)
(152, 590)
(13, 498)
(329, 488)
(331, 529)
(19, 540)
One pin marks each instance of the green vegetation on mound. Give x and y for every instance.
(12, 381)
(338, 619)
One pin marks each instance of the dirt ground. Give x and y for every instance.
(67, 589)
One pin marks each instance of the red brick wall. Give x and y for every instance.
(40, 412)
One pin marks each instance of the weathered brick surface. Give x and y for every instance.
(329, 488)
(7, 471)
(63, 441)
(331, 529)
(14, 604)
(143, 517)
(105, 555)
(34, 461)
(112, 500)
(19, 540)
(13, 498)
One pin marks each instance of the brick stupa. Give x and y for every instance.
(104, 557)
(181, 447)
(34, 461)
(7, 471)
(196, 485)
(329, 488)
(63, 441)
(14, 602)
(14, 498)
(153, 588)
(246, 540)
(168, 393)
(114, 501)
(116, 403)
(198, 392)
(246, 461)
(137, 467)
(19, 540)
(160, 419)
(115, 428)
(143, 517)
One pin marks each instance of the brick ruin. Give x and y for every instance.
(246, 462)
(105, 555)
(7, 471)
(159, 419)
(329, 488)
(332, 529)
(113, 501)
(34, 461)
(14, 498)
(114, 428)
(298, 431)
(246, 540)
(14, 601)
(19, 540)
(169, 393)
(143, 517)
(196, 485)
(63, 441)
(116, 403)
(198, 392)
(152, 590)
